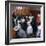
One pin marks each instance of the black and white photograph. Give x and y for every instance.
(25, 22)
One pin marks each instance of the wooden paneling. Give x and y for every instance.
(26, 11)
(13, 34)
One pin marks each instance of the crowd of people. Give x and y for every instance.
(26, 27)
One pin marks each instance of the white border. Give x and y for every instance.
(29, 39)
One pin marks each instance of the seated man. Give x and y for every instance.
(20, 32)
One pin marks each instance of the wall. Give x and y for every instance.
(2, 25)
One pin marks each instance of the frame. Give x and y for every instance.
(10, 9)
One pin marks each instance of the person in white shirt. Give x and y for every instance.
(38, 25)
(29, 28)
